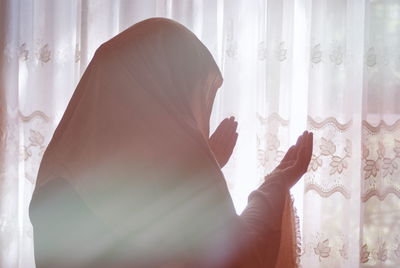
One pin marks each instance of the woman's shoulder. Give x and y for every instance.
(51, 192)
(57, 202)
(62, 224)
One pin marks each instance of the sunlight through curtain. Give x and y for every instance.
(332, 67)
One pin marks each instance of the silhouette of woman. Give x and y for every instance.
(131, 178)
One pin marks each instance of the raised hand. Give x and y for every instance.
(295, 162)
(223, 140)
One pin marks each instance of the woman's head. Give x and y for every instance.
(174, 66)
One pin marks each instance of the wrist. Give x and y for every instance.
(276, 177)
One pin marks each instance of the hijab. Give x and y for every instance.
(133, 140)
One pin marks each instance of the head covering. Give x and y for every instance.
(133, 139)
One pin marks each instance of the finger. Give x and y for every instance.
(307, 143)
(221, 125)
(289, 154)
(231, 146)
(296, 170)
(229, 149)
(224, 124)
(228, 126)
(220, 130)
(294, 152)
(299, 140)
(309, 148)
(303, 151)
(231, 138)
(224, 121)
(231, 131)
(299, 166)
(299, 146)
(224, 135)
(231, 123)
(293, 149)
(234, 126)
(304, 157)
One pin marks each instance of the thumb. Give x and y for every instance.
(286, 164)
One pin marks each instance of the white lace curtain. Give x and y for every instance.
(332, 67)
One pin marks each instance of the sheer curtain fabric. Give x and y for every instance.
(332, 67)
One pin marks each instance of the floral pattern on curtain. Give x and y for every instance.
(332, 67)
(351, 202)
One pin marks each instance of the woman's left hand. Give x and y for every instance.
(223, 140)
(295, 162)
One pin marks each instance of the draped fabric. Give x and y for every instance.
(330, 66)
(131, 144)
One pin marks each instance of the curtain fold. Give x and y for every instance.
(332, 67)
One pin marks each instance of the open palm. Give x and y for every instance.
(223, 140)
(295, 162)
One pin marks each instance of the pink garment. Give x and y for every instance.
(131, 150)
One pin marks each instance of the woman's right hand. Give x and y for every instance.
(223, 140)
(295, 162)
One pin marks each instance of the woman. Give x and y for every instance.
(130, 177)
